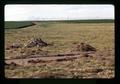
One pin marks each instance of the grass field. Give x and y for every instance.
(17, 24)
(63, 36)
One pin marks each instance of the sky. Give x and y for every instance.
(24, 12)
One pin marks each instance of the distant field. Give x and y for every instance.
(15, 25)
(85, 21)
(64, 36)
(22, 24)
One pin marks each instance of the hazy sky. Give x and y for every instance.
(58, 12)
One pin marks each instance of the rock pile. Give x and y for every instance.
(36, 42)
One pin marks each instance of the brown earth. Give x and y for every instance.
(38, 59)
(85, 50)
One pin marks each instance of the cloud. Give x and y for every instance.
(44, 12)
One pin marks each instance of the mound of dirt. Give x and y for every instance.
(37, 42)
(84, 47)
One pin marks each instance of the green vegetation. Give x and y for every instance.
(81, 21)
(17, 24)
(89, 21)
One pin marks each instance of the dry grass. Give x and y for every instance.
(64, 36)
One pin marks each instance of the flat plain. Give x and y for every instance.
(64, 38)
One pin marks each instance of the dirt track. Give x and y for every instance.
(38, 59)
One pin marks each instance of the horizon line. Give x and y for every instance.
(60, 19)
